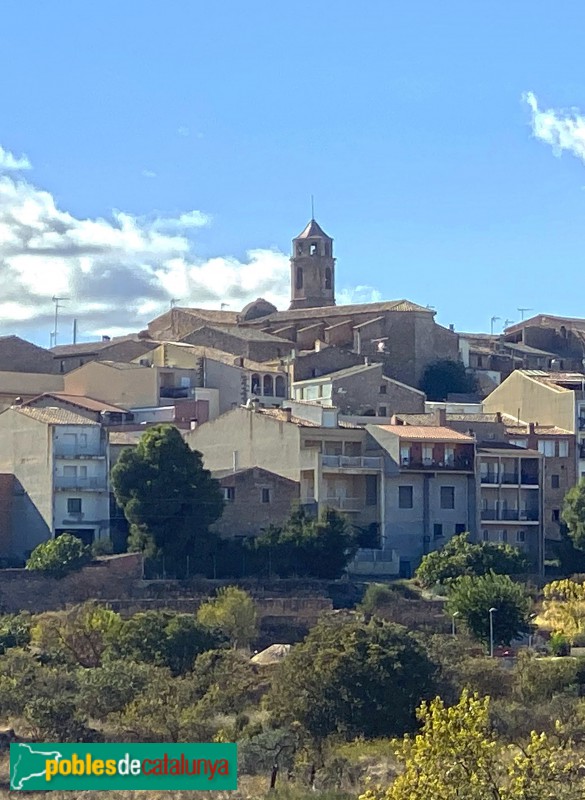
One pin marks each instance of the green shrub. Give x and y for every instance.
(560, 645)
(59, 556)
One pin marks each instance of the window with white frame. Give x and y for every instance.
(546, 447)
(563, 448)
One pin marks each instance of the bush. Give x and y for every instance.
(560, 645)
(59, 556)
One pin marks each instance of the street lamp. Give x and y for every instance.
(532, 630)
(453, 616)
(492, 611)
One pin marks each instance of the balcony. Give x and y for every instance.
(351, 462)
(174, 392)
(510, 477)
(81, 484)
(344, 503)
(528, 479)
(75, 451)
(509, 515)
(456, 464)
(492, 479)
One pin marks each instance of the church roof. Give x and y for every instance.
(313, 229)
(346, 312)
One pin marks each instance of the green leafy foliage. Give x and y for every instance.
(444, 377)
(319, 548)
(472, 597)
(573, 514)
(353, 678)
(14, 631)
(461, 557)
(59, 556)
(167, 496)
(233, 612)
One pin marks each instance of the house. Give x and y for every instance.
(254, 498)
(67, 357)
(546, 398)
(97, 410)
(306, 444)
(59, 460)
(362, 390)
(429, 491)
(25, 371)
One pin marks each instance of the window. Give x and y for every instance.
(447, 497)
(519, 442)
(504, 536)
(486, 535)
(405, 455)
(299, 281)
(255, 384)
(83, 472)
(546, 447)
(383, 389)
(382, 411)
(70, 472)
(280, 385)
(299, 249)
(556, 515)
(479, 361)
(554, 481)
(405, 497)
(268, 388)
(427, 454)
(327, 278)
(520, 537)
(371, 490)
(563, 448)
(265, 495)
(459, 528)
(229, 493)
(313, 249)
(74, 505)
(437, 530)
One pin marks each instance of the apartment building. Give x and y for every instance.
(511, 499)
(429, 488)
(59, 460)
(554, 399)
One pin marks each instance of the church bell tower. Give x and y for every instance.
(312, 269)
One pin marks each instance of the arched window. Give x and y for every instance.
(299, 282)
(255, 384)
(327, 278)
(313, 249)
(268, 386)
(280, 386)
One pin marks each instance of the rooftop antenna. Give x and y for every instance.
(492, 320)
(508, 322)
(174, 301)
(312, 207)
(224, 305)
(58, 307)
(523, 311)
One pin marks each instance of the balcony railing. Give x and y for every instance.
(174, 392)
(351, 462)
(461, 464)
(510, 477)
(510, 514)
(345, 503)
(75, 451)
(528, 479)
(492, 479)
(82, 484)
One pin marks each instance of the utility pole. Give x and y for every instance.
(58, 307)
(493, 319)
(523, 311)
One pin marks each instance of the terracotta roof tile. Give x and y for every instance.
(426, 433)
(54, 416)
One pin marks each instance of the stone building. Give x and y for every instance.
(401, 335)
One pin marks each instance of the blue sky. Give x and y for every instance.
(437, 180)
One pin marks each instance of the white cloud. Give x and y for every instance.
(148, 173)
(10, 163)
(562, 129)
(183, 130)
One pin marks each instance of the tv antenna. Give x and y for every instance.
(312, 207)
(523, 311)
(58, 307)
(508, 322)
(174, 301)
(492, 320)
(224, 305)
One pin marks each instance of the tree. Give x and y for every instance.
(78, 636)
(305, 546)
(59, 556)
(574, 514)
(455, 755)
(352, 678)
(462, 557)
(564, 607)
(233, 612)
(167, 496)
(472, 597)
(444, 377)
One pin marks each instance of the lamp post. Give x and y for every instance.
(532, 630)
(453, 617)
(492, 611)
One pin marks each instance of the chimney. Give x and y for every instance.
(394, 420)
(105, 338)
(287, 414)
(531, 428)
(452, 327)
(441, 417)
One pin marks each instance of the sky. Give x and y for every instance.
(156, 152)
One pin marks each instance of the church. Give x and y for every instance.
(398, 333)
